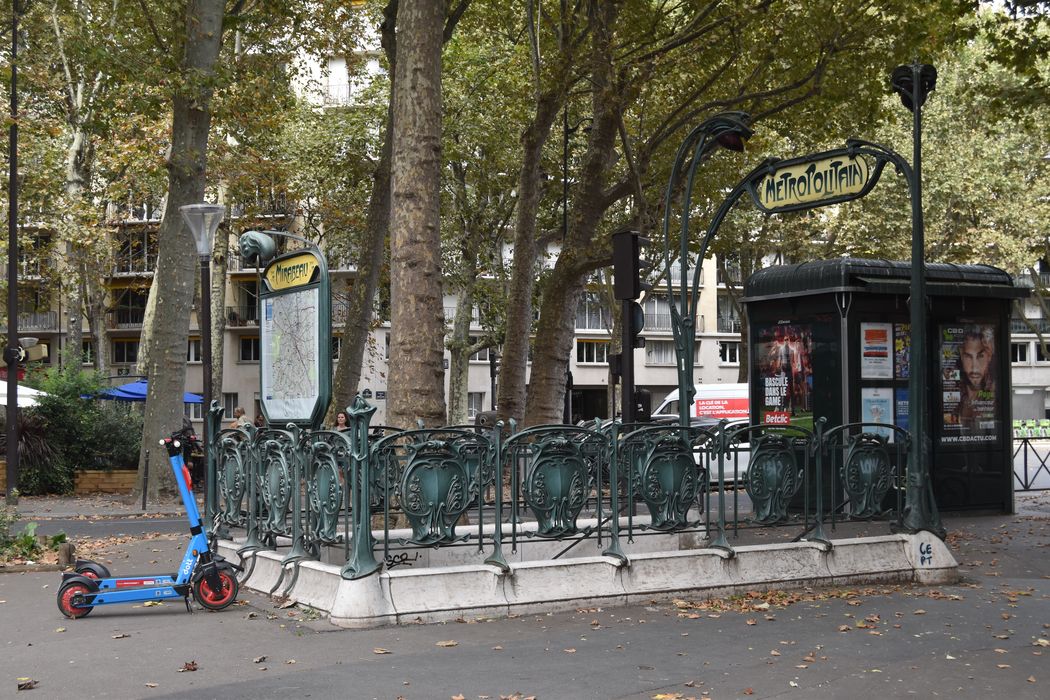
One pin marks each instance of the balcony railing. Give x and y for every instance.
(340, 310)
(1027, 279)
(241, 316)
(658, 322)
(1032, 325)
(36, 321)
(730, 277)
(135, 265)
(729, 324)
(127, 317)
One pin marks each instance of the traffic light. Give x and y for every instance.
(634, 320)
(629, 268)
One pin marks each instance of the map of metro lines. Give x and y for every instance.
(289, 355)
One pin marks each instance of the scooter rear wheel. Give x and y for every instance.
(92, 569)
(217, 599)
(65, 599)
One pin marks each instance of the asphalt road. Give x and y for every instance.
(977, 639)
(107, 527)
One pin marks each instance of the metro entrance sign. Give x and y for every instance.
(295, 330)
(814, 181)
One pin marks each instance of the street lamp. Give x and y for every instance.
(11, 354)
(914, 83)
(203, 219)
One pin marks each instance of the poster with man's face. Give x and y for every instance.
(969, 397)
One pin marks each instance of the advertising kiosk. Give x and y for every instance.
(832, 339)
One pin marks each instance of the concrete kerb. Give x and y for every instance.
(445, 593)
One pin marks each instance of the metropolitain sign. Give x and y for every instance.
(814, 181)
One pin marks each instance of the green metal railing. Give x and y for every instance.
(378, 493)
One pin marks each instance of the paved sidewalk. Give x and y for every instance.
(93, 507)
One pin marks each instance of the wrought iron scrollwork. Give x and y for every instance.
(867, 474)
(434, 490)
(557, 484)
(669, 480)
(277, 487)
(773, 477)
(324, 487)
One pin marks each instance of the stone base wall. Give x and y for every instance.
(102, 481)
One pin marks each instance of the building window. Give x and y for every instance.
(590, 313)
(1040, 355)
(728, 318)
(590, 352)
(125, 352)
(194, 411)
(336, 343)
(1019, 353)
(229, 402)
(661, 352)
(130, 308)
(729, 352)
(87, 352)
(657, 313)
(249, 349)
(386, 346)
(475, 403)
(193, 350)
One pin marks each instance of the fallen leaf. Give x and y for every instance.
(1031, 679)
(844, 628)
(1000, 651)
(793, 684)
(749, 691)
(290, 661)
(151, 685)
(569, 651)
(458, 697)
(752, 621)
(668, 696)
(497, 648)
(26, 683)
(447, 643)
(920, 611)
(1002, 665)
(121, 636)
(1041, 643)
(188, 666)
(258, 659)
(152, 604)
(774, 652)
(381, 650)
(949, 657)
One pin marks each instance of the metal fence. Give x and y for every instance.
(1031, 464)
(374, 494)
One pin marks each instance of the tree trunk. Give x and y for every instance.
(416, 386)
(174, 281)
(78, 174)
(460, 350)
(362, 294)
(219, 264)
(510, 399)
(555, 335)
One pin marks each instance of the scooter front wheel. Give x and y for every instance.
(67, 593)
(217, 599)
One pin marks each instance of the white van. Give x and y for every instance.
(715, 401)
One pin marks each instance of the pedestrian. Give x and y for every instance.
(342, 421)
(260, 421)
(239, 419)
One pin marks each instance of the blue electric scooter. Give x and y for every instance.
(211, 579)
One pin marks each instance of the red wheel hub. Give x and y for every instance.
(220, 596)
(67, 600)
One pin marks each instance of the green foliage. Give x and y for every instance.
(26, 544)
(77, 433)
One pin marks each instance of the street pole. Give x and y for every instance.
(202, 220)
(11, 354)
(914, 83)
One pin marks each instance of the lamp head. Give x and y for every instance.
(903, 79)
(203, 220)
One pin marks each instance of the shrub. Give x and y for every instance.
(66, 432)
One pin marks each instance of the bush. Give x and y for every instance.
(64, 433)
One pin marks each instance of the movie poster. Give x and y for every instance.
(876, 358)
(901, 408)
(969, 397)
(901, 349)
(783, 359)
(876, 406)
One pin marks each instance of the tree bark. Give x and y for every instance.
(416, 385)
(219, 264)
(174, 281)
(362, 294)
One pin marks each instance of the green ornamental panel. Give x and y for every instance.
(773, 477)
(434, 491)
(557, 485)
(867, 474)
(324, 489)
(668, 477)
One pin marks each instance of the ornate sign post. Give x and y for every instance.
(295, 339)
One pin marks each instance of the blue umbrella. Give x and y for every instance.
(136, 391)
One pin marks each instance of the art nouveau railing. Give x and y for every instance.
(372, 495)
